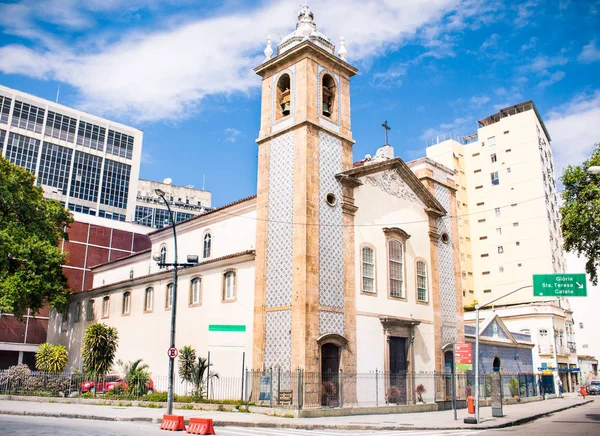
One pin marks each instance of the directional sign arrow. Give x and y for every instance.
(579, 285)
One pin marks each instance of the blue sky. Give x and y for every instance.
(181, 70)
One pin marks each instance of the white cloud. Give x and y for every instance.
(453, 129)
(541, 63)
(531, 44)
(479, 100)
(590, 53)
(390, 78)
(491, 42)
(574, 129)
(165, 73)
(554, 77)
(231, 134)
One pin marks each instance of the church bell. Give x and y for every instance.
(326, 101)
(286, 104)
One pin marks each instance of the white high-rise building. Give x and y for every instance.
(509, 230)
(90, 164)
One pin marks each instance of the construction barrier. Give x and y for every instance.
(172, 423)
(200, 426)
(471, 404)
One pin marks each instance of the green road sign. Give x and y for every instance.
(559, 285)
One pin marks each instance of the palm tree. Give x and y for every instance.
(99, 349)
(136, 376)
(51, 358)
(193, 370)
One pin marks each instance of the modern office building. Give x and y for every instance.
(509, 229)
(184, 201)
(90, 164)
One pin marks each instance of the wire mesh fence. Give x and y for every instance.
(275, 387)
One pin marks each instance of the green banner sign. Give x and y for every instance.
(559, 285)
(226, 328)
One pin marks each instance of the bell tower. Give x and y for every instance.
(305, 310)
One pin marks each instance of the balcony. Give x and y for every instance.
(572, 346)
(561, 350)
(545, 349)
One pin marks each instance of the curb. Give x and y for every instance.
(484, 426)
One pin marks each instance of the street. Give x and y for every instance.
(583, 420)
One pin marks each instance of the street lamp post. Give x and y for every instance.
(192, 260)
(477, 307)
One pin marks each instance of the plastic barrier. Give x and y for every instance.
(200, 426)
(172, 423)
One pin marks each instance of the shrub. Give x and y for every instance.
(51, 358)
(420, 390)
(393, 394)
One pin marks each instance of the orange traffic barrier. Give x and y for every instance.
(200, 426)
(471, 404)
(172, 423)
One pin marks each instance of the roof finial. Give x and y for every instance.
(342, 52)
(268, 49)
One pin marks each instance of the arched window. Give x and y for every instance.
(368, 269)
(169, 296)
(195, 291)
(126, 303)
(396, 268)
(163, 255)
(149, 300)
(105, 306)
(284, 97)
(328, 94)
(422, 281)
(207, 245)
(130, 274)
(229, 286)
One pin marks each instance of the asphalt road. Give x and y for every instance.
(33, 426)
(584, 420)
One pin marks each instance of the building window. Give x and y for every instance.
(580, 325)
(543, 333)
(115, 184)
(508, 170)
(501, 269)
(477, 171)
(105, 307)
(163, 256)
(195, 288)
(485, 273)
(515, 224)
(519, 265)
(23, 151)
(130, 274)
(368, 269)
(396, 267)
(284, 97)
(493, 157)
(229, 286)
(480, 204)
(91, 315)
(28, 117)
(500, 249)
(421, 281)
(328, 95)
(478, 186)
(207, 245)
(481, 220)
(518, 243)
(487, 291)
(495, 178)
(491, 141)
(126, 303)
(149, 300)
(485, 255)
(77, 316)
(499, 230)
(169, 296)
(482, 238)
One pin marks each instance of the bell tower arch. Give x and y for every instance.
(304, 286)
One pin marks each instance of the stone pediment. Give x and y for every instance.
(394, 177)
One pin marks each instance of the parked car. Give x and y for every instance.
(594, 388)
(104, 385)
(110, 383)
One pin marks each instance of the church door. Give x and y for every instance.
(398, 367)
(330, 367)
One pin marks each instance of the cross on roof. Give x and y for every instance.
(387, 128)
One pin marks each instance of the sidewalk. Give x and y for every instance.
(444, 420)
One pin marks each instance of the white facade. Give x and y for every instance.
(509, 221)
(89, 164)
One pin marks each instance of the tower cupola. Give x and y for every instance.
(306, 28)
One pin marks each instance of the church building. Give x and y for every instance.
(335, 264)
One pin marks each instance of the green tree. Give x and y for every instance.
(194, 370)
(581, 212)
(99, 349)
(136, 376)
(51, 358)
(31, 229)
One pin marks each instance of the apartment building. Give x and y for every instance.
(509, 229)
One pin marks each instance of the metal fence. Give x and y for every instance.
(274, 387)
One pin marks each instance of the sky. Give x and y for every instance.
(182, 71)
